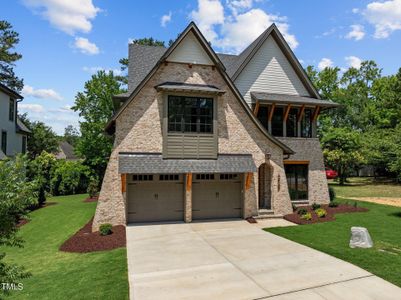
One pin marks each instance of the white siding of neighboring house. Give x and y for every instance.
(269, 71)
(14, 140)
(190, 51)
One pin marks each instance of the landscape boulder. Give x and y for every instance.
(360, 238)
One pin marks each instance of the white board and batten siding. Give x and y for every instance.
(190, 51)
(269, 71)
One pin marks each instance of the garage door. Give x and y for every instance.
(154, 198)
(216, 196)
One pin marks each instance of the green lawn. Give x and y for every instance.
(383, 223)
(60, 275)
(367, 187)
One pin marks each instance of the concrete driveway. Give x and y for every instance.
(237, 260)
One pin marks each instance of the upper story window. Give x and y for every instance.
(292, 124)
(190, 114)
(11, 110)
(277, 122)
(306, 124)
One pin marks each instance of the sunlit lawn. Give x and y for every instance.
(60, 275)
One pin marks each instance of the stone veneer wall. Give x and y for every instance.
(139, 129)
(309, 149)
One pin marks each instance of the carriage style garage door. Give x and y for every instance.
(155, 198)
(216, 196)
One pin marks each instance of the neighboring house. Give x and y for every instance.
(66, 151)
(202, 135)
(13, 132)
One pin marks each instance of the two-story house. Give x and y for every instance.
(13, 132)
(203, 135)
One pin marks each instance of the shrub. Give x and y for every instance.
(307, 216)
(302, 211)
(69, 177)
(106, 229)
(17, 194)
(334, 204)
(320, 212)
(40, 170)
(315, 206)
(93, 187)
(355, 204)
(332, 194)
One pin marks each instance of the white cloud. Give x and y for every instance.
(353, 61)
(93, 70)
(357, 33)
(165, 19)
(385, 16)
(355, 10)
(69, 16)
(85, 46)
(209, 14)
(36, 108)
(233, 32)
(325, 63)
(29, 91)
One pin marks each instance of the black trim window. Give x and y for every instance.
(263, 115)
(11, 110)
(4, 142)
(142, 177)
(190, 114)
(297, 179)
(306, 124)
(277, 122)
(292, 124)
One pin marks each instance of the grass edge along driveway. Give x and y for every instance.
(61, 275)
(383, 223)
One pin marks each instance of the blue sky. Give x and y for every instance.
(64, 41)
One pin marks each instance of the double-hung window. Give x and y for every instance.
(190, 114)
(11, 110)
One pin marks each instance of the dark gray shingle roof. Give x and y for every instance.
(153, 163)
(291, 99)
(68, 150)
(187, 87)
(141, 61)
(21, 126)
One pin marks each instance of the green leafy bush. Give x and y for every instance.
(41, 171)
(106, 229)
(315, 206)
(17, 194)
(307, 216)
(93, 187)
(334, 204)
(332, 194)
(320, 212)
(302, 211)
(69, 177)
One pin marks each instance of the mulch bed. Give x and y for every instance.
(330, 216)
(84, 240)
(251, 220)
(91, 199)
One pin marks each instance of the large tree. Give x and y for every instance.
(8, 40)
(42, 137)
(95, 106)
(71, 135)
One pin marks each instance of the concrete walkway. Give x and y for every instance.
(237, 260)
